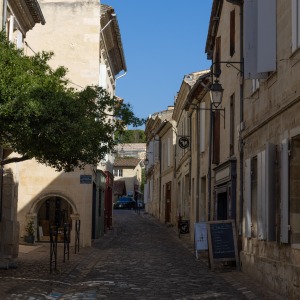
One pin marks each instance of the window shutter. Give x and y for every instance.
(250, 40)
(202, 127)
(248, 198)
(102, 76)
(11, 29)
(216, 145)
(284, 193)
(19, 40)
(156, 151)
(295, 28)
(232, 32)
(169, 152)
(217, 69)
(266, 36)
(261, 195)
(270, 191)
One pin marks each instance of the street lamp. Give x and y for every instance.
(216, 93)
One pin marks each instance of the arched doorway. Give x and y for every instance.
(54, 211)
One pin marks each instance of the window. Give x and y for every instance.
(118, 172)
(295, 24)
(232, 32)
(255, 85)
(260, 196)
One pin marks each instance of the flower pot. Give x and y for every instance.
(29, 239)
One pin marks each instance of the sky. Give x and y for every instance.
(163, 40)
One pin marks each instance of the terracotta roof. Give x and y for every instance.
(126, 162)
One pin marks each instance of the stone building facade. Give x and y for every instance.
(271, 244)
(244, 164)
(16, 18)
(85, 37)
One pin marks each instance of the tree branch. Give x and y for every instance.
(15, 159)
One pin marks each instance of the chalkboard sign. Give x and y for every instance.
(222, 241)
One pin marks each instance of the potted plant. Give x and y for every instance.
(29, 238)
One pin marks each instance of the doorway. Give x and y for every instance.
(168, 203)
(222, 206)
(54, 211)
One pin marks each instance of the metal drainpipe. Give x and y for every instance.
(241, 121)
(198, 168)
(160, 196)
(209, 161)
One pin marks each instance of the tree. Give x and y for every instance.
(42, 118)
(131, 136)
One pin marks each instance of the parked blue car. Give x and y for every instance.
(125, 203)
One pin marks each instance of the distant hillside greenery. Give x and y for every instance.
(131, 136)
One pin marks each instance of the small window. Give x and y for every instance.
(118, 172)
(255, 85)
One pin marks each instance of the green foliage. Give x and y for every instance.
(30, 227)
(42, 118)
(131, 136)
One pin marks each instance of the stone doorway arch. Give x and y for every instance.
(53, 210)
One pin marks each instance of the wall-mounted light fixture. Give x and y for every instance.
(146, 160)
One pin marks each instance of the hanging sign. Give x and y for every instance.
(183, 142)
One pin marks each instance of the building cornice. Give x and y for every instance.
(27, 13)
(112, 39)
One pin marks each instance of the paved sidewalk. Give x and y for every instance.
(139, 259)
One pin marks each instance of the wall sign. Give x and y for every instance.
(222, 242)
(183, 142)
(85, 179)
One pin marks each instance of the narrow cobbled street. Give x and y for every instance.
(139, 258)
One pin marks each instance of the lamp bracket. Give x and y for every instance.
(228, 65)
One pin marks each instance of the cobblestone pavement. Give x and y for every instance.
(139, 259)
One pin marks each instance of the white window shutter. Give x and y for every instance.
(102, 76)
(11, 29)
(270, 191)
(266, 36)
(284, 192)
(19, 40)
(248, 198)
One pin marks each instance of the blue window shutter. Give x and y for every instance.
(248, 198)
(251, 40)
(266, 36)
(284, 192)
